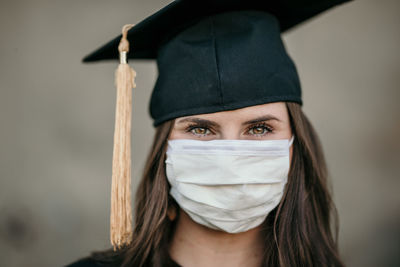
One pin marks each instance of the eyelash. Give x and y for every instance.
(268, 129)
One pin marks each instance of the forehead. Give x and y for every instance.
(277, 109)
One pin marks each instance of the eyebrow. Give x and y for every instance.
(261, 119)
(200, 121)
(211, 123)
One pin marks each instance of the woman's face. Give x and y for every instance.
(261, 122)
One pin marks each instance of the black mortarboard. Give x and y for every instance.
(212, 55)
(215, 55)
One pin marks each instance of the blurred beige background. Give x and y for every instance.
(57, 119)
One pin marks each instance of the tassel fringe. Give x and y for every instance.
(121, 207)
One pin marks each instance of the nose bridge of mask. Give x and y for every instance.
(223, 162)
(239, 146)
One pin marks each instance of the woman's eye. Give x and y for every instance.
(200, 131)
(259, 130)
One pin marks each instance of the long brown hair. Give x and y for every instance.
(299, 232)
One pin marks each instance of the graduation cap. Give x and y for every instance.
(212, 55)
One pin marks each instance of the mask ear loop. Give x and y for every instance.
(291, 141)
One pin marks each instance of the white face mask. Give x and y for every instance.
(228, 185)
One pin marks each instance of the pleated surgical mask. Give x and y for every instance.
(228, 185)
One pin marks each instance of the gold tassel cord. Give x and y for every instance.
(121, 207)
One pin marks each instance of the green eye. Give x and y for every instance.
(199, 131)
(259, 130)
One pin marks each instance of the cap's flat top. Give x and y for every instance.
(146, 36)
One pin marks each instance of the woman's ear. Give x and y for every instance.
(171, 213)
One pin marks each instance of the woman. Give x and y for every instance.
(236, 174)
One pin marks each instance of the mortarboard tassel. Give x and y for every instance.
(121, 207)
